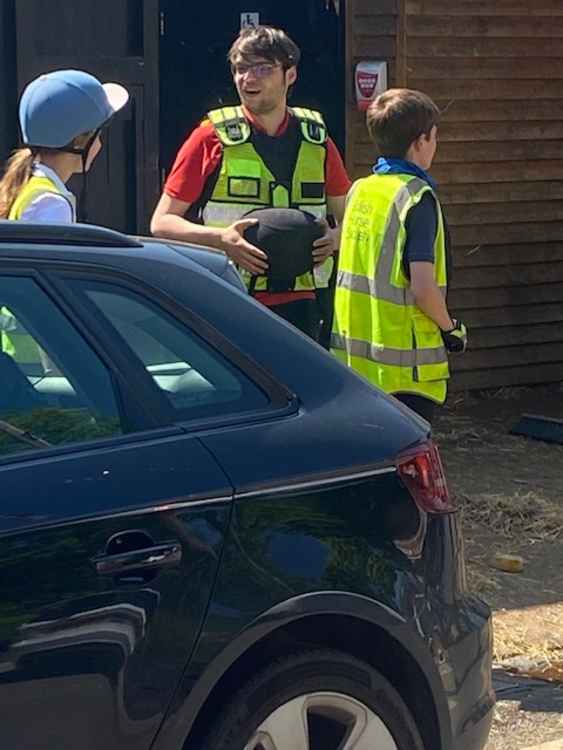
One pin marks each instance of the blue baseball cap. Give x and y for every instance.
(57, 107)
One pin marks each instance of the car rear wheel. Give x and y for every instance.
(316, 700)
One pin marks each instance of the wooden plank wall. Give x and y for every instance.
(496, 67)
(372, 28)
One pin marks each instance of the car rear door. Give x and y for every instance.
(112, 521)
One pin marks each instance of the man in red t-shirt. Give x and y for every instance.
(261, 154)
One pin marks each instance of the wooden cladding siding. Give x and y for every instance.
(372, 29)
(496, 69)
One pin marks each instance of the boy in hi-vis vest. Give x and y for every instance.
(391, 320)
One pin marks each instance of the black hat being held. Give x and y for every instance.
(286, 236)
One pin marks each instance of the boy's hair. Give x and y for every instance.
(267, 42)
(398, 117)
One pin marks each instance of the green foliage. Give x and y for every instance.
(57, 427)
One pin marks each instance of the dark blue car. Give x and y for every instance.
(212, 535)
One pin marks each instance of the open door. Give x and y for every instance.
(115, 40)
(195, 76)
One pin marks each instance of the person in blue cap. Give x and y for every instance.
(61, 115)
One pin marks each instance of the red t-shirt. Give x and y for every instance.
(200, 156)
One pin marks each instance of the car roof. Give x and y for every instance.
(82, 241)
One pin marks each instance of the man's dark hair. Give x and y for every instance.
(398, 117)
(266, 42)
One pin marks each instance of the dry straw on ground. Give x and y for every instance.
(522, 515)
(508, 491)
(530, 641)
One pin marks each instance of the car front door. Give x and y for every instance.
(112, 521)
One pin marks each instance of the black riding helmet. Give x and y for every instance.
(286, 235)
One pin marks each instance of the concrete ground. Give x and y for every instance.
(529, 714)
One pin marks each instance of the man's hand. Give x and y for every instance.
(325, 246)
(242, 252)
(455, 340)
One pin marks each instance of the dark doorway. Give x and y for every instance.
(194, 75)
(8, 87)
(121, 44)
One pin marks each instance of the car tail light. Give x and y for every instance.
(421, 471)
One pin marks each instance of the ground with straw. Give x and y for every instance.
(509, 491)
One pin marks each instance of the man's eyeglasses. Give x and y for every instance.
(259, 70)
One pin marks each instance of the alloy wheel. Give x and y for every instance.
(322, 721)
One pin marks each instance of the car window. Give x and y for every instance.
(197, 380)
(54, 390)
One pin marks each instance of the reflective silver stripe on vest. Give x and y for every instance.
(388, 355)
(319, 210)
(7, 321)
(383, 289)
(216, 214)
(378, 289)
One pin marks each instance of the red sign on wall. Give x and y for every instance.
(370, 80)
(367, 83)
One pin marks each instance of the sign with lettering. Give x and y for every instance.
(371, 80)
(249, 19)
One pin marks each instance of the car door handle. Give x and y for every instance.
(157, 556)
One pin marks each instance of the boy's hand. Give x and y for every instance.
(455, 340)
(325, 246)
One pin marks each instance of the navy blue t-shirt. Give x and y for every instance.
(421, 225)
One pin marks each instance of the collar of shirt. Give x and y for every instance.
(42, 170)
(402, 166)
(260, 128)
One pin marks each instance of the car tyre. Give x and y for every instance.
(316, 700)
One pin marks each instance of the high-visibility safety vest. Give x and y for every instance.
(34, 187)
(14, 339)
(245, 182)
(378, 329)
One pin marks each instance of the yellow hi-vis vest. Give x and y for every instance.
(33, 188)
(14, 339)
(378, 329)
(246, 183)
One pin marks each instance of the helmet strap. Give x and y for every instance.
(83, 152)
(81, 202)
(81, 209)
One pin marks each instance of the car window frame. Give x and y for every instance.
(133, 413)
(281, 400)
